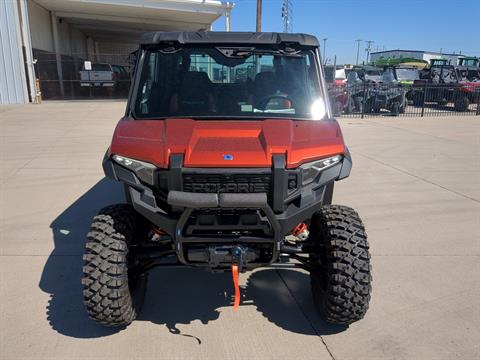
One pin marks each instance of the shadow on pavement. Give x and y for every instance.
(61, 276)
(174, 296)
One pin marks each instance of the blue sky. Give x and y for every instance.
(450, 25)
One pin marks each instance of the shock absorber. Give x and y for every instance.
(300, 232)
(293, 244)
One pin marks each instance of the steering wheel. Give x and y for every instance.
(287, 101)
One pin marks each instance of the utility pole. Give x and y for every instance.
(324, 48)
(228, 16)
(368, 49)
(259, 15)
(358, 49)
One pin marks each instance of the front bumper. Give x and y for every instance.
(263, 219)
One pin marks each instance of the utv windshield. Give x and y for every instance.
(407, 74)
(467, 75)
(443, 74)
(373, 75)
(226, 83)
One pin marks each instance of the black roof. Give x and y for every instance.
(230, 38)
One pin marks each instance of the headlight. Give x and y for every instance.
(312, 170)
(143, 170)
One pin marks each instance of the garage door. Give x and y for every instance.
(13, 87)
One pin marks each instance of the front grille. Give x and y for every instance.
(227, 183)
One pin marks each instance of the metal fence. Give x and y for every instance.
(424, 99)
(63, 77)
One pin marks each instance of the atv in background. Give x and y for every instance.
(468, 70)
(390, 95)
(469, 82)
(441, 84)
(371, 91)
(405, 76)
(468, 74)
(470, 62)
(359, 94)
(370, 74)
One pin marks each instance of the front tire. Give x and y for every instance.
(340, 279)
(112, 294)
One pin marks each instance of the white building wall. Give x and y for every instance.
(40, 27)
(78, 42)
(13, 86)
(71, 40)
(64, 37)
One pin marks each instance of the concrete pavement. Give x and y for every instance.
(416, 183)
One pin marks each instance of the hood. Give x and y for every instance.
(227, 143)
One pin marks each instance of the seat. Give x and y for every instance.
(194, 95)
(264, 86)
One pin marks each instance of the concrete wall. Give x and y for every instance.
(64, 37)
(71, 40)
(78, 42)
(40, 27)
(13, 86)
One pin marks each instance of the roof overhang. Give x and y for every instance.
(139, 15)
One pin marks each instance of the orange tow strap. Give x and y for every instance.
(236, 303)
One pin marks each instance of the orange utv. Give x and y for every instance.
(228, 152)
